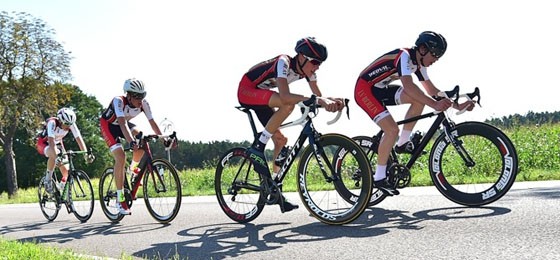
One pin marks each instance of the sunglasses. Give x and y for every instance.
(313, 61)
(137, 95)
(437, 56)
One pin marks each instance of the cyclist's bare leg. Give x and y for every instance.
(390, 135)
(284, 110)
(120, 157)
(64, 170)
(279, 141)
(415, 109)
(137, 154)
(51, 153)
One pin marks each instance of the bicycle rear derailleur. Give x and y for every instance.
(399, 176)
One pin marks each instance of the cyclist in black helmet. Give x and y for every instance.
(374, 92)
(265, 89)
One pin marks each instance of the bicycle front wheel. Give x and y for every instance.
(477, 166)
(80, 194)
(321, 184)
(47, 202)
(238, 186)
(162, 191)
(108, 196)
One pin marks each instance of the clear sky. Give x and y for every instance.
(192, 54)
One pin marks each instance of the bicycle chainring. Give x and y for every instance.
(399, 176)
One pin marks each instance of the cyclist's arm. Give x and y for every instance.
(284, 92)
(81, 143)
(124, 128)
(433, 91)
(430, 87)
(414, 92)
(315, 88)
(330, 104)
(155, 126)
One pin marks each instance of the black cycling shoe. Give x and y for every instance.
(286, 206)
(386, 187)
(407, 147)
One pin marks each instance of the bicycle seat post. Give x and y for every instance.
(251, 120)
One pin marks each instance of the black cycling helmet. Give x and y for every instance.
(312, 49)
(435, 43)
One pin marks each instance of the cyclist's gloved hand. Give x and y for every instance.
(58, 161)
(170, 143)
(89, 158)
(133, 145)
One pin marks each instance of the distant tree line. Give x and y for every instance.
(531, 118)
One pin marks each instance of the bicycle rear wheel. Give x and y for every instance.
(320, 181)
(162, 191)
(488, 178)
(238, 186)
(108, 196)
(80, 194)
(47, 202)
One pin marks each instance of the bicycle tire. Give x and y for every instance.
(322, 196)
(495, 161)
(108, 196)
(238, 186)
(48, 202)
(80, 196)
(369, 145)
(162, 191)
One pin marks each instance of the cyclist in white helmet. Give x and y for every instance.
(50, 144)
(115, 124)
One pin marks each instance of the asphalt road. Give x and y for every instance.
(418, 224)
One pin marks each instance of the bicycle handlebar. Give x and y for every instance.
(454, 96)
(141, 137)
(74, 153)
(310, 106)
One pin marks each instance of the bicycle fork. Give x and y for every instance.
(453, 138)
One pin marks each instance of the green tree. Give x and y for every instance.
(32, 66)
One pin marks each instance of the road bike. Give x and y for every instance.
(243, 192)
(76, 195)
(161, 187)
(470, 163)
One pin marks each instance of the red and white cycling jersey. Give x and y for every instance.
(255, 86)
(373, 91)
(53, 129)
(391, 66)
(264, 74)
(120, 107)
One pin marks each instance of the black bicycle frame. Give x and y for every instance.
(424, 142)
(308, 133)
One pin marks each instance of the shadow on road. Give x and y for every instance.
(231, 239)
(66, 232)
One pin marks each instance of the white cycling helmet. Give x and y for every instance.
(66, 116)
(135, 87)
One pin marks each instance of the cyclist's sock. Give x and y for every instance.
(404, 137)
(380, 172)
(265, 136)
(120, 195)
(48, 175)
